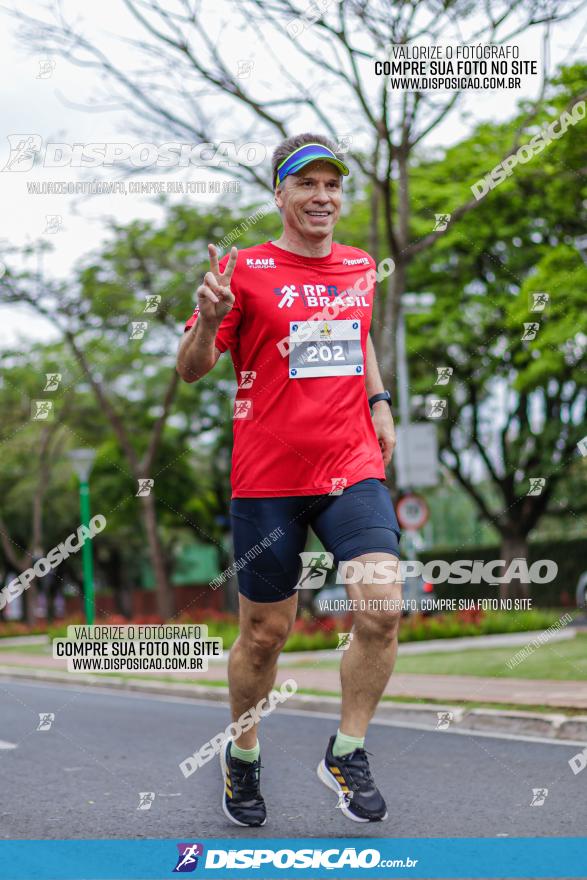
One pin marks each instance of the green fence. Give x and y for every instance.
(192, 564)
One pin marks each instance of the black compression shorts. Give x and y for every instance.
(270, 533)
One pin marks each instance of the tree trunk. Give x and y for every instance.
(398, 279)
(165, 602)
(396, 289)
(514, 546)
(377, 324)
(388, 353)
(30, 598)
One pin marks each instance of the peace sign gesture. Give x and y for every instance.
(215, 298)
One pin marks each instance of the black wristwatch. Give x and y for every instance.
(383, 395)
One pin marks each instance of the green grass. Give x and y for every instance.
(559, 661)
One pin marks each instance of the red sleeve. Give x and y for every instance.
(228, 330)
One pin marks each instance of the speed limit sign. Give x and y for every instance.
(412, 512)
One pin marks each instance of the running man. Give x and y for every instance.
(313, 432)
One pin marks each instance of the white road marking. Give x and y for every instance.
(7, 745)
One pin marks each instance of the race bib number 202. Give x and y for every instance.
(325, 348)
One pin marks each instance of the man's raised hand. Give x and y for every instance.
(215, 298)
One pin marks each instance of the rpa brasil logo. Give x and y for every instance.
(187, 859)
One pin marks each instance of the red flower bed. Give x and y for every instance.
(473, 615)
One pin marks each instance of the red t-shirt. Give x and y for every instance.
(302, 424)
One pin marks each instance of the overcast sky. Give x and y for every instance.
(52, 106)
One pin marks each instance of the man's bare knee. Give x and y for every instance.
(264, 639)
(377, 625)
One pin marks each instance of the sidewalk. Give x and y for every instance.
(315, 677)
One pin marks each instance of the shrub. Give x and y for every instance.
(312, 634)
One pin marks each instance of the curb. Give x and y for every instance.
(426, 715)
(195, 691)
(574, 728)
(509, 721)
(17, 641)
(434, 646)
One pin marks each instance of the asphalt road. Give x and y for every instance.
(82, 777)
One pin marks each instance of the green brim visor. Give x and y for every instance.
(303, 156)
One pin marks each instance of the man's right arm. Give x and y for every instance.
(197, 351)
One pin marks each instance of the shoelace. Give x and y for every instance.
(246, 779)
(357, 764)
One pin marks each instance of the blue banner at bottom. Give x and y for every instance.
(225, 859)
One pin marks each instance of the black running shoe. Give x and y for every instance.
(242, 800)
(350, 777)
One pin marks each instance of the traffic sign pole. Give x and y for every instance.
(87, 558)
(82, 461)
(403, 381)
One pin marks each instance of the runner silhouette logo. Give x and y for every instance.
(187, 859)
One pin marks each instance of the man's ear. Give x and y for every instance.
(279, 195)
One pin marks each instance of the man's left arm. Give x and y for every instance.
(382, 417)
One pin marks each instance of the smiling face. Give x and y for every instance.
(310, 201)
